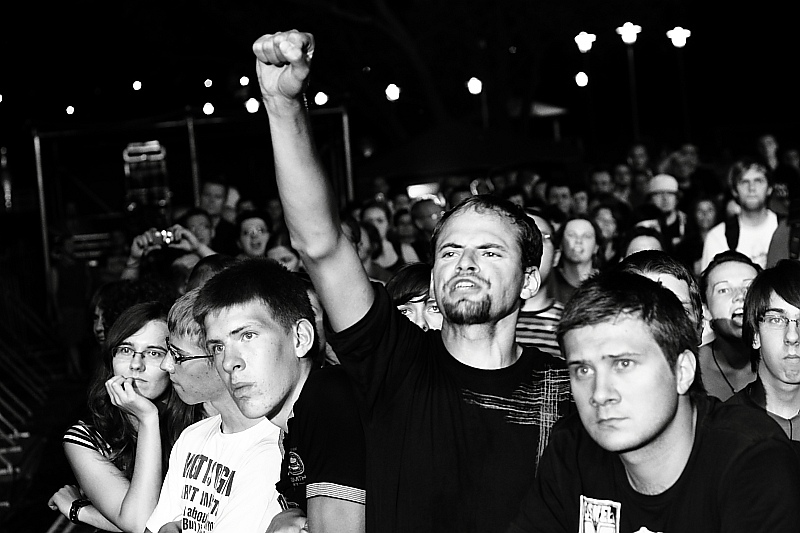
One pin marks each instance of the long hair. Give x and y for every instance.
(110, 421)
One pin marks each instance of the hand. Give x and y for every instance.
(183, 239)
(124, 395)
(289, 521)
(171, 527)
(63, 498)
(144, 244)
(283, 64)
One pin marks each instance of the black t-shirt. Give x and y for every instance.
(741, 476)
(449, 447)
(323, 450)
(225, 238)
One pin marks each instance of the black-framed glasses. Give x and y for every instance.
(127, 352)
(776, 321)
(179, 357)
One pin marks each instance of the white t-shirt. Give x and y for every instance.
(753, 241)
(218, 482)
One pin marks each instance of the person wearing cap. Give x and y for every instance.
(663, 193)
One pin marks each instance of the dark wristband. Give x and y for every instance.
(76, 506)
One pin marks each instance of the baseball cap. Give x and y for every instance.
(662, 183)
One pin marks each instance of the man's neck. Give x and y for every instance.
(281, 418)
(486, 346)
(754, 218)
(655, 467)
(783, 399)
(731, 353)
(233, 421)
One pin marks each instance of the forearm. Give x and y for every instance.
(142, 496)
(90, 516)
(309, 201)
(131, 271)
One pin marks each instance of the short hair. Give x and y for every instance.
(206, 268)
(260, 280)
(411, 281)
(598, 235)
(247, 215)
(281, 238)
(660, 262)
(180, 319)
(721, 258)
(193, 212)
(741, 166)
(641, 231)
(607, 296)
(216, 180)
(529, 238)
(784, 280)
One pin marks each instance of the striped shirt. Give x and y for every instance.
(538, 328)
(85, 435)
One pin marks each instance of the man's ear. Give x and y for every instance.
(556, 256)
(685, 371)
(531, 283)
(756, 341)
(304, 338)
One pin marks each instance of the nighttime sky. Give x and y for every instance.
(740, 65)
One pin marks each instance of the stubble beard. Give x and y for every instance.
(467, 313)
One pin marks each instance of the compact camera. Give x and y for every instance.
(163, 237)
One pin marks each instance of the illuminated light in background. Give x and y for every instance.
(628, 32)
(1, 97)
(207, 83)
(392, 92)
(474, 86)
(584, 41)
(581, 79)
(678, 36)
(137, 85)
(70, 110)
(244, 81)
(251, 105)
(320, 98)
(208, 108)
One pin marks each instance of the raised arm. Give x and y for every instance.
(309, 204)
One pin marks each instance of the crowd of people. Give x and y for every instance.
(620, 353)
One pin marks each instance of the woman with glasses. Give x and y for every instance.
(119, 454)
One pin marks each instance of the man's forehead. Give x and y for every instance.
(731, 271)
(470, 222)
(186, 343)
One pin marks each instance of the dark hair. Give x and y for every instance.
(411, 281)
(256, 280)
(641, 231)
(351, 229)
(109, 420)
(740, 167)
(193, 212)
(724, 257)
(528, 236)
(374, 239)
(377, 204)
(400, 213)
(216, 180)
(606, 296)
(281, 238)
(247, 215)
(659, 262)
(784, 280)
(122, 294)
(206, 267)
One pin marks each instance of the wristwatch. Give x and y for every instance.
(76, 506)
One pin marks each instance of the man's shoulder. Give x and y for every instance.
(738, 422)
(539, 360)
(201, 427)
(324, 386)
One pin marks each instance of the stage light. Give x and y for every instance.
(137, 85)
(474, 86)
(208, 108)
(244, 81)
(70, 110)
(320, 98)
(392, 92)
(678, 36)
(251, 105)
(581, 79)
(584, 41)
(208, 83)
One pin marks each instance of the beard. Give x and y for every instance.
(466, 312)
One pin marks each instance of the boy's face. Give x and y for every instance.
(195, 380)
(726, 288)
(779, 343)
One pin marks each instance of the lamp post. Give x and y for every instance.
(628, 33)
(678, 37)
(584, 41)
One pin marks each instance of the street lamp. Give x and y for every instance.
(628, 32)
(678, 37)
(585, 41)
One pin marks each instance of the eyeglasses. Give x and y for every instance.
(775, 321)
(254, 232)
(179, 358)
(126, 352)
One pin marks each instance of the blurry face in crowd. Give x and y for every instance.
(253, 237)
(642, 242)
(579, 243)
(143, 366)
(200, 226)
(212, 198)
(752, 190)
(622, 176)
(665, 201)
(604, 218)
(580, 202)
(725, 292)
(639, 157)
(561, 197)
(705, 214)
(426, 214)
(405, 228)
(98, 326)
(601, 183)
(377, 217)
(285, 257)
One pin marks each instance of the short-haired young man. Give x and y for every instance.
(772, 311)
(455, 419)
(724, 357)
(222, 470)
(649, 451)
(259, 325)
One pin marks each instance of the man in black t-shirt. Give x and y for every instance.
(455, 420)
(259, 326)
(649, 451)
